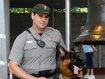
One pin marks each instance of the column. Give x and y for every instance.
(4, 37)
(67, 22)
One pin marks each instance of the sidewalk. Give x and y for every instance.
(100, 76)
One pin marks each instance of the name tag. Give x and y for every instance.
(29, 41)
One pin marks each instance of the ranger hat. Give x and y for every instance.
(41, 8)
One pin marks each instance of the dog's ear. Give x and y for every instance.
(62, 51)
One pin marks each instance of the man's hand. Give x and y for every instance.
(42, 78)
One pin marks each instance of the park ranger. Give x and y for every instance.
(33, 54)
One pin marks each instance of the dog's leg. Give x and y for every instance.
(60, 76)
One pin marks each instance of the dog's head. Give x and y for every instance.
(73, 58)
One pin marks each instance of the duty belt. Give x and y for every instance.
(46, 73)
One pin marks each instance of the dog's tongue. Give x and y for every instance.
(76, 69)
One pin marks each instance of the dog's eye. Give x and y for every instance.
(73, 60)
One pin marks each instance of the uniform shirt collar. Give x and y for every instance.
(34, 32)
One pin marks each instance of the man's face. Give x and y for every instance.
(40, 20)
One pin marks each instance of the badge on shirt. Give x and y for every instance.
(51, 38)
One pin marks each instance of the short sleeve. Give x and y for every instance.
(61, 42)
(16, 53)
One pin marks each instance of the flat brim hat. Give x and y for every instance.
(41, 9)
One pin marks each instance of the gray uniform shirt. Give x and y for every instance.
(30, 56)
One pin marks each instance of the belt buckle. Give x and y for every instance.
(46, 73)
(51, 71)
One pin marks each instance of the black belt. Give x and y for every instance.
(46, 73)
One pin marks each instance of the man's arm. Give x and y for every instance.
(94, 48)
(18, 71)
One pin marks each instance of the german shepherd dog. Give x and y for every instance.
(70, 64)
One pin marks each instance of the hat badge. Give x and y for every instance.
(45, 7)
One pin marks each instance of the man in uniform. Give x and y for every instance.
(33, 54)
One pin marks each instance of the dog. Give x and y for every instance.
(70, 64)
